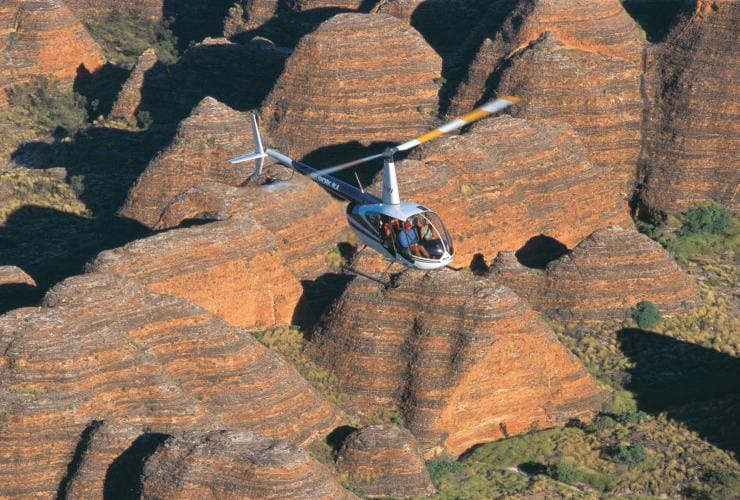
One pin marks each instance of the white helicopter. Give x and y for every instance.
(401, 231)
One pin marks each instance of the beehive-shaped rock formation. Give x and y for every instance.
(602, 278)
(231, 268)
(222, 464)
(199, 152)
(129, 98)
(465, 360)
(384, 461)
(576, 63)
(358, 78)
(507, 181)
(42, 38)
(693, 142)
(103, 347)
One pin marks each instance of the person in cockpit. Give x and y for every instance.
(409, 240)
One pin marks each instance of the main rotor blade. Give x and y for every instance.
(349, 164)
(487, 109)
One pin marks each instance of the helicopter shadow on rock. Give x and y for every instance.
(697, 386)
(318, 296)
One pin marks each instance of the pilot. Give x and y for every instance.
(410, 240)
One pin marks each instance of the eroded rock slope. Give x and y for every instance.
(465, 360)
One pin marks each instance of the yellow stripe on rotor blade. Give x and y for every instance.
(510, 98)
(430, 135)
(475, 115)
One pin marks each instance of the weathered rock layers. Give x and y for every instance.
(223, 464)
(231, 268)
(602, 278)
(508, 180)
(465, 360)
(103, 347)
(384, 461)
(572, 62)
(693, 136)
(129, 98)
(358, 78)
(42, 38)
(211, 135)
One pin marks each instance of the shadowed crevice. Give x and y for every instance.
(76, 461)
(123, 478)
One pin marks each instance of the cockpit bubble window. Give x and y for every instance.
(432, 233)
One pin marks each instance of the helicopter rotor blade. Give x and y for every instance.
(349, 164)
(487, 109)
(481, 112)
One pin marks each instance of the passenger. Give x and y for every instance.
(424, 228)
(409, 240)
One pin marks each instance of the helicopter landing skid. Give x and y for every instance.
(391, 283)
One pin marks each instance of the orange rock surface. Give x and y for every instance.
(129, 98)
(692, 149)
(43, 38)
(465, 360)
(103, 347)
(205, 141)
(231, 268)
(359, 78)
(224, 464)
(508, 180)
(572, 62)
(384, 461)
(602, 278)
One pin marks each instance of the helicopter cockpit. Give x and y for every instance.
(409, 232)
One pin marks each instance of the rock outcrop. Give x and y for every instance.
(222, 464)
(692, 148)
(103, 464)
(508, 180)
(576, 63)
(357, 79)
(465, 360)
(103, 347)
(602, 278)
(129, 98)
(231, 268)
(42, 38)
(384, 461)
(16, 288)
(199, 153)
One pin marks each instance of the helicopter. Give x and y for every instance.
(401, 231)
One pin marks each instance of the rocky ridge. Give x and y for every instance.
(130, 97)
(231, 268)
(693, 132)
(227, 464)
(606, 275)
(43, 38)
(357, 79)
(384, 461)
(465, 360)
(576, 63)
(103, 347)
(205, 141)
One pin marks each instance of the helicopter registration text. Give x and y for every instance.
(326, 182)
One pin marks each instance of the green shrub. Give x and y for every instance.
(441, 466)
(125, 34)
(632, 417)
(646, 314)
(628, 454)
(705, 219)
(601, 423)
(564, 472)
(46, 107)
